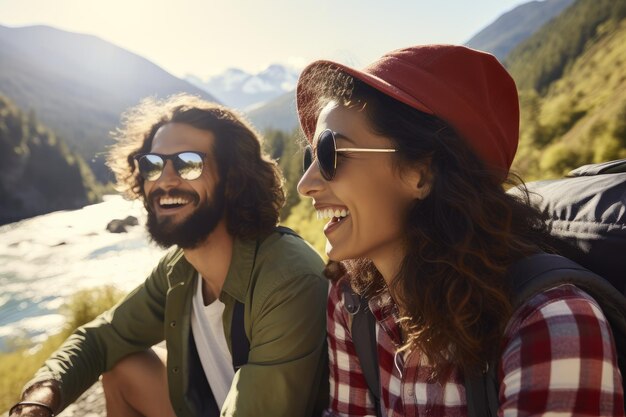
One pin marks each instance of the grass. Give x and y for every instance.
(19, 366)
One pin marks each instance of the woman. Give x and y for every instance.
(407, 160)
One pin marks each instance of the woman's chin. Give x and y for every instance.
(337, 253)
(332, 252)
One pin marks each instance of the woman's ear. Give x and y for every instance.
(419, 180)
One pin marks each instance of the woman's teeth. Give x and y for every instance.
(330, 213)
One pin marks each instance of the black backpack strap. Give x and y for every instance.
(199, 391)
(481, 391)
(363, 332)
(534, 274)
(541, 271)
(239, 341)
(364, 338)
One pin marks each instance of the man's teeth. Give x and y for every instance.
(330, 213)
(168, 201)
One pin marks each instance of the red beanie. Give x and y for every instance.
(468, 89)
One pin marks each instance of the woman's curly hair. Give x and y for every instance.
(254, 191)
(452, 289)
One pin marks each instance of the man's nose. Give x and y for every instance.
(169, 176)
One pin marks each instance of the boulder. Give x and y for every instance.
(119, 225)
(116, 226)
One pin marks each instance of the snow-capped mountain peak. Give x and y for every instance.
(241, 89)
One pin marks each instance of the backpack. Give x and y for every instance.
(586, 213)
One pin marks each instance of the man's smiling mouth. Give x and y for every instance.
(173, 202)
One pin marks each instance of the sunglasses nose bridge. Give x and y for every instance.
(309, 161)
(168, 173)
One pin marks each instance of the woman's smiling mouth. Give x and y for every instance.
(336, 216)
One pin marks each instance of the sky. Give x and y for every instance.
(204, 37)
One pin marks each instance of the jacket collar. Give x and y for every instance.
(238, 277)
(240, 271)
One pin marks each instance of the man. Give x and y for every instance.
(209, 190)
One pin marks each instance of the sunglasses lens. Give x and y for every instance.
(150, 167)
(307, 159)
(188, 165)
(326, 154)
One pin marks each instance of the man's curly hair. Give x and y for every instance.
(254, 191)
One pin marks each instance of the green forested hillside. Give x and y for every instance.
(298, 212)
(38, 173)
(545, 56)
(287, 150)
(577, 115)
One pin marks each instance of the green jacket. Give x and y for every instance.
(284, 297)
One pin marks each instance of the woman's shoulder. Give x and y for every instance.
(558, 346)
(555, 321)
(555, 305)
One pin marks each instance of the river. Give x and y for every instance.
(46, 259)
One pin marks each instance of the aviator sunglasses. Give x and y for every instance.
(187, 164)
(326, 154)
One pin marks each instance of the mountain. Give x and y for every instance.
(78, 85)
(279, 113)
(38, 173)
(237, 88)
(572, 79)
(513, 27)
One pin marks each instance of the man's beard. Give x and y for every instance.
(191, 231)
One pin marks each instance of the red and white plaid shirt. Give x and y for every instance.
(559, 359)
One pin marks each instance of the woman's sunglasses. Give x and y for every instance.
(188, 164)
(326, 154)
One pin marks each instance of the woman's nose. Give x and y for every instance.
(311, 181)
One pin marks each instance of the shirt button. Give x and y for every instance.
(173, 324)
(175, 369)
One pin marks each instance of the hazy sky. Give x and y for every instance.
(204, 37)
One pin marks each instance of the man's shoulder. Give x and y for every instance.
(290, 254)
(287, 266)
(283, 258)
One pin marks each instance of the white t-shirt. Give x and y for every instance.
(208, 334)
